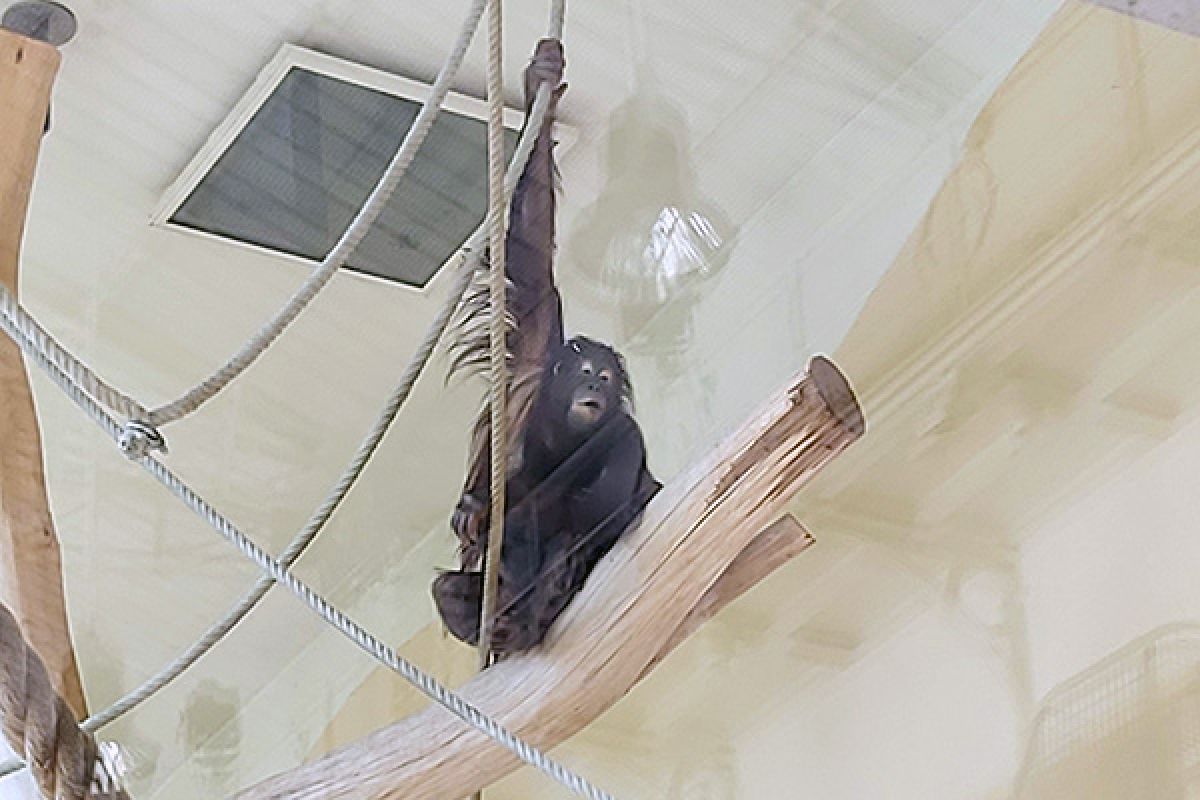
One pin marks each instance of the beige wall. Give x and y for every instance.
(1112, 603)
(1021, 508)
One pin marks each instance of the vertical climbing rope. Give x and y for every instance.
(498, 388)
(65, 371)
(558, 17)
(473, 249)
(369, 643)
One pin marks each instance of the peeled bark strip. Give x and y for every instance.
(785, 539)
(627, 613)
(30, 562)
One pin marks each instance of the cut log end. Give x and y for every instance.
(837, 393)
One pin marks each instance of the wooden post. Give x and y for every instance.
(643, 592)
(30, 563)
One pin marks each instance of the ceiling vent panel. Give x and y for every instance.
(294, 162)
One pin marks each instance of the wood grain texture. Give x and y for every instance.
(31, 583)
(629, 611)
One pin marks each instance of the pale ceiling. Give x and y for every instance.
(1010, 342)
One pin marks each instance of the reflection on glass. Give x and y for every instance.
(210, 729)
(650, 241)
(656, 263)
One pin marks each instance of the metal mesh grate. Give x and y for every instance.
(1127, 728)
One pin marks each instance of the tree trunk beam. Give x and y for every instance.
(627, 613)
(30, 563)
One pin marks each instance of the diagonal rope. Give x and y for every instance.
(78, 371)
(142, 435)
(33, 340)
(72, 376)
(473, 254)
(307, 534)
(428, 685)
(345, 246)
(350, 239)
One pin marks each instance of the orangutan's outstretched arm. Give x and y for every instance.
(533, 299)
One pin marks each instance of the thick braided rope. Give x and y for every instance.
(80, 373)
(315, 524)
(473, 255)
(473, 249)
(350, 239)
(497, 331)
(429, 686)
(142, 435)
(39, 724)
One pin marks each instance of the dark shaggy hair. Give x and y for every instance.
(469, 332)
(470, 344)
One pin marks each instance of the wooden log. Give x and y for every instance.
(628, 612)
(30, 562)
(36, 722)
